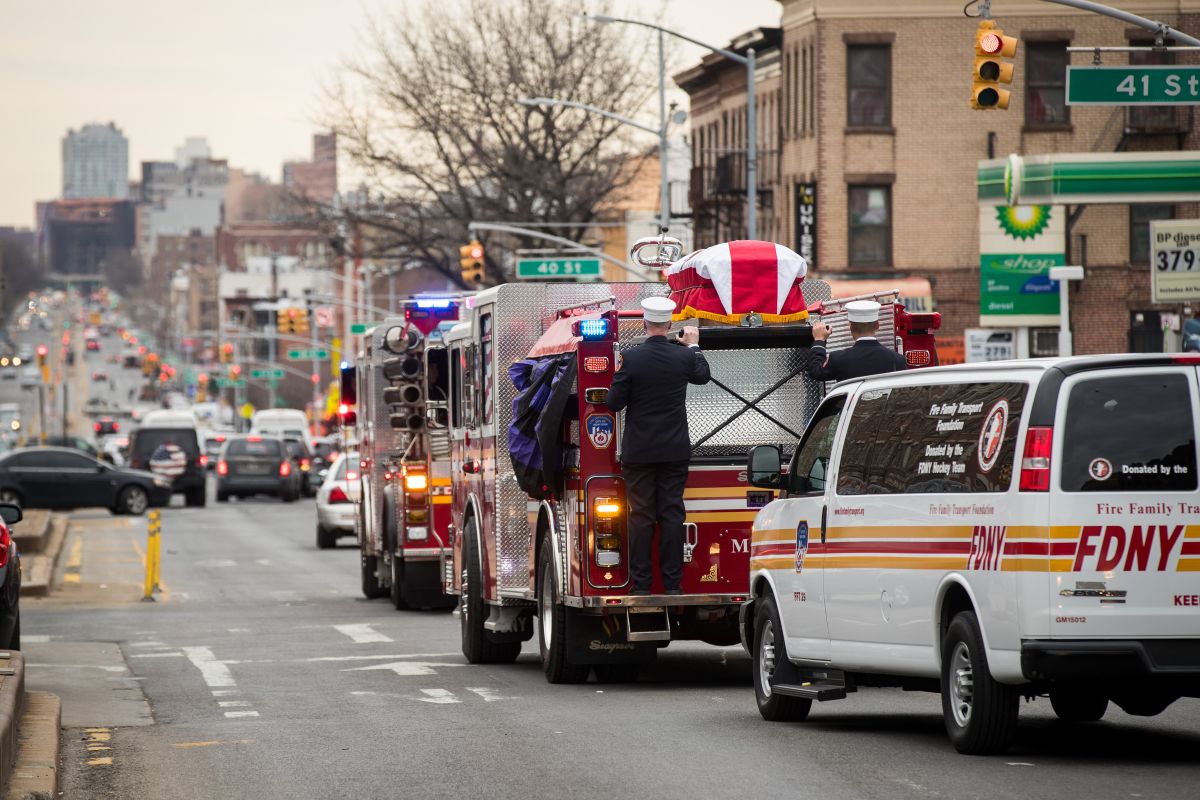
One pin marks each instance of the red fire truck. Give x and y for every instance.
(560, 553)
(404, 450)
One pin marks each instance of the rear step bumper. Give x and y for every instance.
(627, 601)
(811, 691)
(1090, 659)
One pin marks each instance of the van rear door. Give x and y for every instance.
(1125, 506)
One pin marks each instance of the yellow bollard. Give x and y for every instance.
(153, 551)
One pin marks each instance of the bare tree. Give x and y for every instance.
(430, 115)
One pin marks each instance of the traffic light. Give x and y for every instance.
(991, 73)
(227, 353)
(300, 322)
(470, 261)
(406, 372)
(42, 352)
(235, 371)
(284, 318)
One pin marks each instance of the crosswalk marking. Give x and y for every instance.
(489, 695)
(232, 714)
(439, 696)
(362, 633)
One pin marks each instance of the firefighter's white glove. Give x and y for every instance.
(820, 331)
(690, 335)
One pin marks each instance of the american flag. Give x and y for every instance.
(168, 460)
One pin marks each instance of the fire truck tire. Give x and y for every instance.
(325, 538)
(371, 588)
(477, 644)
(399, 600)
(1074, 705)
(552, 628)
(980, 713)
(770, 662)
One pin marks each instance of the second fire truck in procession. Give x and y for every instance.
(404, 450)
(539, 509)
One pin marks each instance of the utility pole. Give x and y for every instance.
(316, 376)
(271, 332)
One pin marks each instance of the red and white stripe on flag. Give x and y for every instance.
(727, 281)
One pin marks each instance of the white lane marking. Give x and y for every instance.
(238, 630)
(223, 692)
(215, 563)
(362, 633)
(232, 714)
(156, 655)
(153, 645)
(380, 658)
(406, 668)
(214, 672)
(76, 666)
(490, 695)
(439, 696)
(35, 638)
(233, 703)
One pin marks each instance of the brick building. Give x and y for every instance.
(865, 106)
(315, 180)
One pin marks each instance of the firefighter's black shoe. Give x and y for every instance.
(673, 591)
(639, 593)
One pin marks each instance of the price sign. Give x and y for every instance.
(1174, 260)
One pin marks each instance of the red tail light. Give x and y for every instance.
(116, 427)
(5, 541)
(203, 461)
(96, 427)
(285, 468)
(1035, 464)
(222, 467)
(305, 464)
(336, 495)
(917, 358)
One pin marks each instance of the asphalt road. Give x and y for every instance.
(261, 672)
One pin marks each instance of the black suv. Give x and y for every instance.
(173, 453)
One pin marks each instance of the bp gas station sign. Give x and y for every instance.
(1017, 247)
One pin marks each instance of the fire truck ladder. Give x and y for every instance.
(748, 405)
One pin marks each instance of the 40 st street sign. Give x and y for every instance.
(1133, 86)
(532, 269)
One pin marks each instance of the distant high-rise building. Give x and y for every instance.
(316, 179)
(95, 162)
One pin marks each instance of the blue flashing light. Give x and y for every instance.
(593, 328)
(438, 302)
(344, 365)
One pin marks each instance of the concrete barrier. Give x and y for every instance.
(12, 705)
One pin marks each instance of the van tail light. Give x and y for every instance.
(285, 468)
(305, 465)
(222, 467)
(1035, 464)
(116, 427)
(202, 461)
(337, 495)
(96, 427)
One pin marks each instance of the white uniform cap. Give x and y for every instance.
(657, 309)
(862, 311)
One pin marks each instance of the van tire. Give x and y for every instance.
(770, 660)
(1074, 705)
(477, 645)
(980, 713)
(196, 498)
(371, 588)
(222, 497)
(552, 627)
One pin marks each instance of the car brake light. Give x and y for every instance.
(336, 495)
(5, 541)
(1035, 463)
(305, 464)
(116, 427)
(222, 467)
(203, 461)
(253, 438)
(96, 427)
(1186, 358)
(285, 468)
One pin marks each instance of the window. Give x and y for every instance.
(950, 438)
(1140, 217)
(485, 352)
(870, 226)
(810, 463)
(264, 448)
(1046, 84)
(869, 85)
(456, 405)
(1131, 433)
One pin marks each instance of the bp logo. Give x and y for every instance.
(1023, 222)
(991, 438)
(801, 545)
(1100, 469)
(600, 429)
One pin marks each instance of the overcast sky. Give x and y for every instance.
(244, 73)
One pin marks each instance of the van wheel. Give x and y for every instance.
(770, 661)
(552, 627)
(222, 497)
(195, 498)
(477, 645)
(1073, 705)
(371, 588)
(980, 714)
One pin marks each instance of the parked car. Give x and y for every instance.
(213, 443)
(73, 442)
(115, 450)
(167, 443)
(10, 580)
(250, 465)
(106, 425)
(60, 477)
(31, 376)
(302, 456)
(325, 452)
(335, 510)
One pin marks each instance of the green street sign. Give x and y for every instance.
(226, 383)
(266, 373)
(307, 355)
(361, 327)
(533, 269)
(1133, 86)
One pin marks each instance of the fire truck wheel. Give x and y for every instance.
(770, 662)
(1074, 705)
(980, 713)
(399, 602)
(325, 538)
(370, 582)
(617, 673)
(552, 627)
(477, 645)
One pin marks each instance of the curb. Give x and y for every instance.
(12, 703)
(35, 773)
(30, 534)
(39, 574)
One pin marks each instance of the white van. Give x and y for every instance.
(282, 422)
(988, 532)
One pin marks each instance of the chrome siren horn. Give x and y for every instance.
(656, 252)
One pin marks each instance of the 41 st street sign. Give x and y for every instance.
(1133, 86)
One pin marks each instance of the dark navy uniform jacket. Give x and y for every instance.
(652, 386)
(866, 357)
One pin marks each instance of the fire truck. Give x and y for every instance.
(560, 553)
(403, 502)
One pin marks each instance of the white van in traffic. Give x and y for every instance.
(282, 422)
(1024, 528)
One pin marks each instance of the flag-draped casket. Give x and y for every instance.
(727, 281)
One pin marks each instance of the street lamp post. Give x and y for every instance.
(748, 61)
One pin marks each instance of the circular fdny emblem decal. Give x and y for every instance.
(991, 437)
(801, 545)
(1100, 469)
(600, 429)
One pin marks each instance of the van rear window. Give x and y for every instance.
(958, 437)
(1129, 433)
(264, 448)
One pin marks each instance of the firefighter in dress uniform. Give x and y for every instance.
(866, 357)
(651, 385)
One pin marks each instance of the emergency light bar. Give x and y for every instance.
(591, 329)
(441, 302)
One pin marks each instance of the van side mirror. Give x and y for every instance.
(764, 467)
(10, 513)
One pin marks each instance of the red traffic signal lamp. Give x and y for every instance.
(227, 352)
(347, 415)
(235, 371)
(991, 73)
(470, 261)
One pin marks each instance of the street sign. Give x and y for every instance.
(361, 327)
(308, 355)
(266, 373)
(532, 269)
(323, 316)
(1133, 86)
(226, 383)
(1174, 260)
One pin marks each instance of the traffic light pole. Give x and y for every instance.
(1158, 28)
(518, 230)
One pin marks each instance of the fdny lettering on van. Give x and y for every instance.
(987, 546)
(1137, 548)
